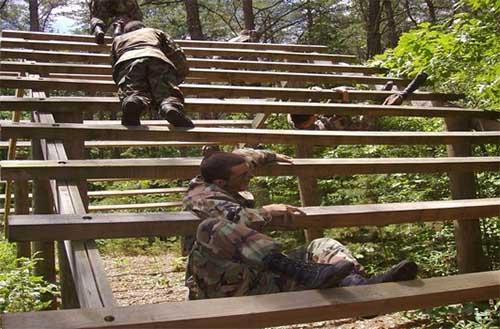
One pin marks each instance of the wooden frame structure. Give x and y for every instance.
(43, 63)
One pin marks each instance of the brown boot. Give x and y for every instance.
(176, 117)
(132, 108)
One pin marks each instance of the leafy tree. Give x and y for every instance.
(462, 56)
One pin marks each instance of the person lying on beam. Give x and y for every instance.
(148, 67)
(232, 257)
(105, 13)
(335, 121)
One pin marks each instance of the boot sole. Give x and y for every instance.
(131, 114)
(178, 119)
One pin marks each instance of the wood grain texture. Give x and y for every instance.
(275, 309)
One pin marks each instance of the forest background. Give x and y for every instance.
(457, 42)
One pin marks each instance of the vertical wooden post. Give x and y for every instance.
(75, 149)
(470, 255)
(42, 204)
(22, 207)
(309, 191)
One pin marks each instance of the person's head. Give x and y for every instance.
(302, 121)
(227, 170)
(133, 25)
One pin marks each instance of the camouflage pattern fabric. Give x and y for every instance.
(149, 79)
(227, 257)
(148, 42)
(106, 12)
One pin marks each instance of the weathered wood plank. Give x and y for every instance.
(275, 309)
(114, 207)
(228, 64)
(125, 225)
(64, 131)
(98, 104)
(186, 168)
(102, 72)
(88, 40)
(212, 91)
(41, 51)
(82, 270)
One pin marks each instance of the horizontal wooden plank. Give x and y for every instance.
(134, 206)
(64, 131)
(121, 193)
(186, 168)
(274, 309)
(120, 144)
(89, 40)
(213, 91)
(228, 64)
(41, 51)
(97, 104)
(209, 74)
(200, 123)
(125, 225)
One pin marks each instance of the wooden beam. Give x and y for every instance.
(102, 72)
(213, 91)
(84, 282)
(276, 309)
(98, 104)
(41, 51)
(116, 207)
(186, 168)
(228, 64)
(89, 41)
(125, 225)
(65, 131)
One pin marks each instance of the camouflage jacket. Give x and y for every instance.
(148, 42)
(108, 11)
(229, 262)
(343, 122)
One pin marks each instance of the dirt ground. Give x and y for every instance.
(139, 280)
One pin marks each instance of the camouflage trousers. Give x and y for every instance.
(150, 80)
(227, 261)
(106, 12)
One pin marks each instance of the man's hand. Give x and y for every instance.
(281, 214)
(283, 158)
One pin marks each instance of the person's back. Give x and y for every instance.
(148, 66)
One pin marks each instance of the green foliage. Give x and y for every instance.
(463, 316)
(20, 289)
(139, 246)
(462, 56)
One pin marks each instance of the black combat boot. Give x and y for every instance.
(404, 271)
(132, 108)
(99, 35)
(176, 117)
(310, 275)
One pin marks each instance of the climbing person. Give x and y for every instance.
(232, 257)
(148, 66)
(104, 13)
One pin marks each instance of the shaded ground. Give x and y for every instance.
(158, 279)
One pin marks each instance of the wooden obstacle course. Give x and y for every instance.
(72, 221)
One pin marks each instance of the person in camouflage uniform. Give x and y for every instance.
(232, 257)
(332, 122)
(148, 66)
(118, 13)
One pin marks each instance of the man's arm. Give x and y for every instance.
(259, 158)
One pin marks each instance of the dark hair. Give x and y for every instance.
(218, 165)
(297, 119)
(132, 26)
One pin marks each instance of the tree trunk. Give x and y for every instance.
(34, 18)
(391, 24)
(432, 11)
(193, 20)
(373, 29)
(248, 17)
